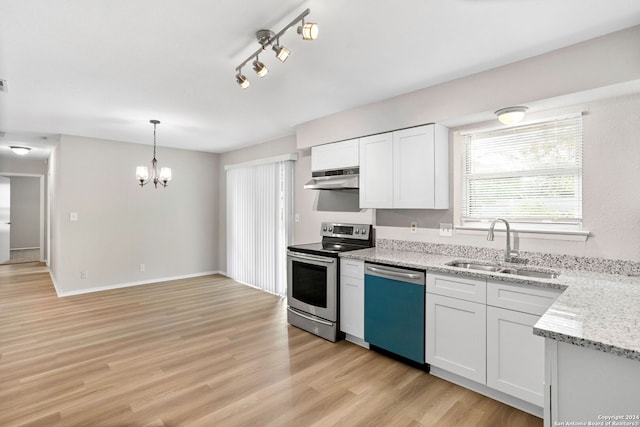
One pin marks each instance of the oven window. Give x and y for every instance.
(309, 284)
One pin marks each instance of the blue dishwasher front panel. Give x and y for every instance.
(394, 316)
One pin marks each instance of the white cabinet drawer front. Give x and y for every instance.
(515, 357)
(455, 336)
(352, 268)
(525, 298)
(469, 289)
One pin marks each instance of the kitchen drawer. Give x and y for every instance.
(352, 268)
(456, 286)
(520, 297)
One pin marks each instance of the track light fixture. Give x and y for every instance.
(266, 38)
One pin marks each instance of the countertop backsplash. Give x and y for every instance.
(571, 262)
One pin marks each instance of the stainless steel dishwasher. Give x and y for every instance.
(394, 310)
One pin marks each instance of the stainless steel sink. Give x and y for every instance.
(494, 268)
(530, 273)
(475, 266)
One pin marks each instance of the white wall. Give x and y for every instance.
(608, 60)
(172, 230)
(25, 212)
(611, 131)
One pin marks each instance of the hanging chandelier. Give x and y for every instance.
(162, 176)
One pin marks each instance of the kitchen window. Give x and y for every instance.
(530, 175)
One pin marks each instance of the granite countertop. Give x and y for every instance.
(595, 310)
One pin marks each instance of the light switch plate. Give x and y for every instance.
(446, 230)
(73, 216)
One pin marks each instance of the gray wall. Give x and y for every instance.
(25, 212)
(173, 230)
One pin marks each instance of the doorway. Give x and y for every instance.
(25, 235)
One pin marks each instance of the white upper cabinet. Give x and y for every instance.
(405, 169)
(376, 171)
(337, 155)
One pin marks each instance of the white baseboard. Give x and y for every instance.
(128, 284)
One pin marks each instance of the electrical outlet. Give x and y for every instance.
(414, 227)
(142, 267)
(84, 274)
(446, 230)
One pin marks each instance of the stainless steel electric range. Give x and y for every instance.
(313, 272)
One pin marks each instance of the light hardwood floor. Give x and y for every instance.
(202, 352)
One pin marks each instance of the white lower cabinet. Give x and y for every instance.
(352, 299)
(482, 330)
(456, 336)
(515, 357)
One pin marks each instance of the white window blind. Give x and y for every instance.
(529, 174)
(259, 212)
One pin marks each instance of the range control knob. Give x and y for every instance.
(357, 231)
(364, 230)
(330, 229)
(324, 228)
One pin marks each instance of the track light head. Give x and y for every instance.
(309, 31)
(282, 53)
(260, 69)
(242, 80)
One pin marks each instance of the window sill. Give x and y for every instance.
(569, 235)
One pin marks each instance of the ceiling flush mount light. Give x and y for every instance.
(158, 175)
(266, 38)
(511, 115)
(19, 150)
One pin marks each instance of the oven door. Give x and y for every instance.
(312, 284)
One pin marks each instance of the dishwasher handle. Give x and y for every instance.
(396, 274)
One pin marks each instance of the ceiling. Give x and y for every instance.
(104, 68)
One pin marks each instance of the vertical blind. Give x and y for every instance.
(530, 173)
(259, 226)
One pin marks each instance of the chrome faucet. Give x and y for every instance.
(509, 255)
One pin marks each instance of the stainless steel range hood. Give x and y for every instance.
(342, 179)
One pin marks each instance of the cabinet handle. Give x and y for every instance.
(393, 273)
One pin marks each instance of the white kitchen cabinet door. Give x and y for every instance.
(352, 297)
(413, 158)
(337, 155)
(515, 357)
(455, 336)
(421, 168)
(376, 171)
